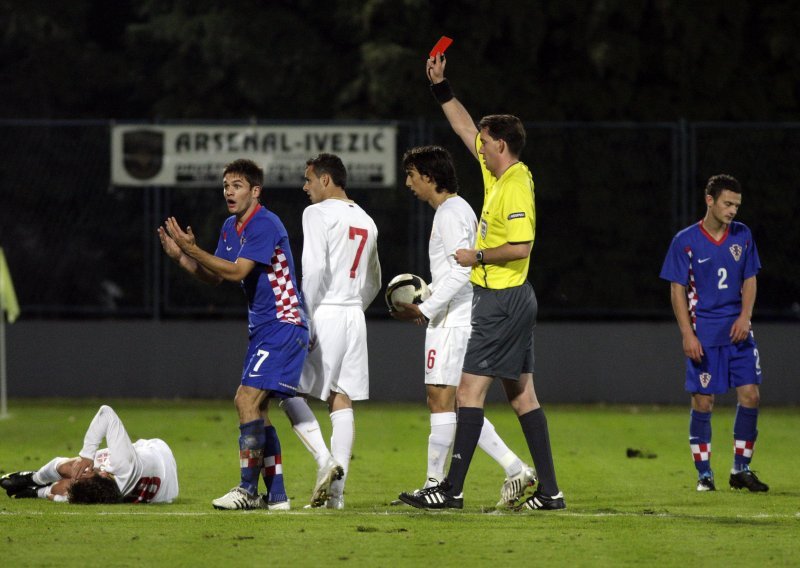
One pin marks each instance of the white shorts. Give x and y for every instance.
(444, 354)
(339, 360)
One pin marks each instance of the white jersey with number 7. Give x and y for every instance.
(340, 256)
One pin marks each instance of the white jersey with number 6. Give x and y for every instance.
(454, 227)
(341, 273)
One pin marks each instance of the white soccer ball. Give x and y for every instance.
(408, 289)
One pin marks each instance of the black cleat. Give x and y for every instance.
(435, 497)
(747, 480)
(29, 492)
(541, 501)
(706, 483)
(17, 482)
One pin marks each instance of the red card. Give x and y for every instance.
(441, 46)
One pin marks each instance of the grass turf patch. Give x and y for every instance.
(621, 510)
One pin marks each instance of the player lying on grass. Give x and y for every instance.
(132, 472)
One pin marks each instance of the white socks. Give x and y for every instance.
(48, 473)
(307, 428)
(440, 442)
(342, 439)
(491, 443)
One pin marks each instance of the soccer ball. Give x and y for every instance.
(406, 288)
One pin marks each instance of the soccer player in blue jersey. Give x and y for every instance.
(253, 249)
(712, 267)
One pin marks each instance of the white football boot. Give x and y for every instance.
(326, 475)
(237, 498)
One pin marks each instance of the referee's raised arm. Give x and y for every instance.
(456, 114)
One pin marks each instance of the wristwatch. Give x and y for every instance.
(479, 256)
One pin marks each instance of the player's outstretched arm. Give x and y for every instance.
(217, 267)
(456, 114)
(187, 263)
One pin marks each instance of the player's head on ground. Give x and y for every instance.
(325, 177)
(433, 162)
(94, 489)
(723, 198)
(505, 128)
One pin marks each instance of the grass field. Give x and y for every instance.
(621, 511)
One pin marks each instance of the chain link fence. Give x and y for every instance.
(609, 198)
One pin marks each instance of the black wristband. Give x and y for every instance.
(442, 92)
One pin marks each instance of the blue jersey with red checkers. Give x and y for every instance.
(713, 273)
(270, 288)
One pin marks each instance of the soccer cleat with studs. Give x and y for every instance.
(706, 483)
(432, 482)
(20, 484)
(747, 479)
(514, 487)
(436, 497)
(238, 499)
(326, 475)
(541, 501)
(335, 502)
(264, 503)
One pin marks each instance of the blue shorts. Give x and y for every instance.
(275, 359)
(724, 367)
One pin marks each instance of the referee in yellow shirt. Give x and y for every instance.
(504, 305)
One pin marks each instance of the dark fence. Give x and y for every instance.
(609, 198)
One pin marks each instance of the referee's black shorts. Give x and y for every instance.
(501, 343)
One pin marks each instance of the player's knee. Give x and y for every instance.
(436, 405)
(704, 406)
(245, 403)
(749, 399)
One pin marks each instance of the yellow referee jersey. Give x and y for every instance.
(508, 216)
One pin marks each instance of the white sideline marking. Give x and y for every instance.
(395, 513)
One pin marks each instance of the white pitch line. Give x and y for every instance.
(407, 513)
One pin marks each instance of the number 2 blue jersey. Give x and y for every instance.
(713, 273)
(271, 287)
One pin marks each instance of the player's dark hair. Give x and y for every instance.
(719, 183)
(94, 489)
(505, 127)
(434, 162)
(248, 169)
(332, 165)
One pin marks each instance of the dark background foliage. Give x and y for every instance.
(300, 59)
(629, 105)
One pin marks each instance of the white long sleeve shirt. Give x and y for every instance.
(145, 471)
(454, 227)
(340, 256)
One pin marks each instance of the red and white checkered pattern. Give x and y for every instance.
(701, 452)
(743, 448)
(691, 291)
(273, 465)
(286, 302)
(251, 458)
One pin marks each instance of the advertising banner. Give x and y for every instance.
(195, 155)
